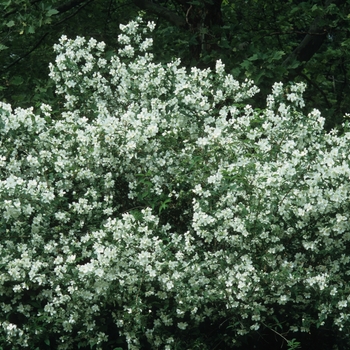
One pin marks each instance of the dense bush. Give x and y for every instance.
(158, 208)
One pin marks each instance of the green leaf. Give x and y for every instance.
(293, 344)
(254, 57)
(164, 205)
(51, 12)
(10, 23)
(277, 55)
(294, 65)
(16, 80)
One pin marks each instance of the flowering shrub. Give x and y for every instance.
(160, 209)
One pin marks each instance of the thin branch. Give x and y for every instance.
(161, 11)
(69, 5)
(279, 334)
(74, 13)
(64, 8)
(27, 53)
(33, 2)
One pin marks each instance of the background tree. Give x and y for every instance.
(266, 41)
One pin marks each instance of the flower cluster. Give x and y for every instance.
(159, 206)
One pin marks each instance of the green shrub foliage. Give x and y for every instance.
(160, 208)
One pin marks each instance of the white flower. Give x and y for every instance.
(151, 25)
(219, 67)
(182, 325)
(142, 194)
